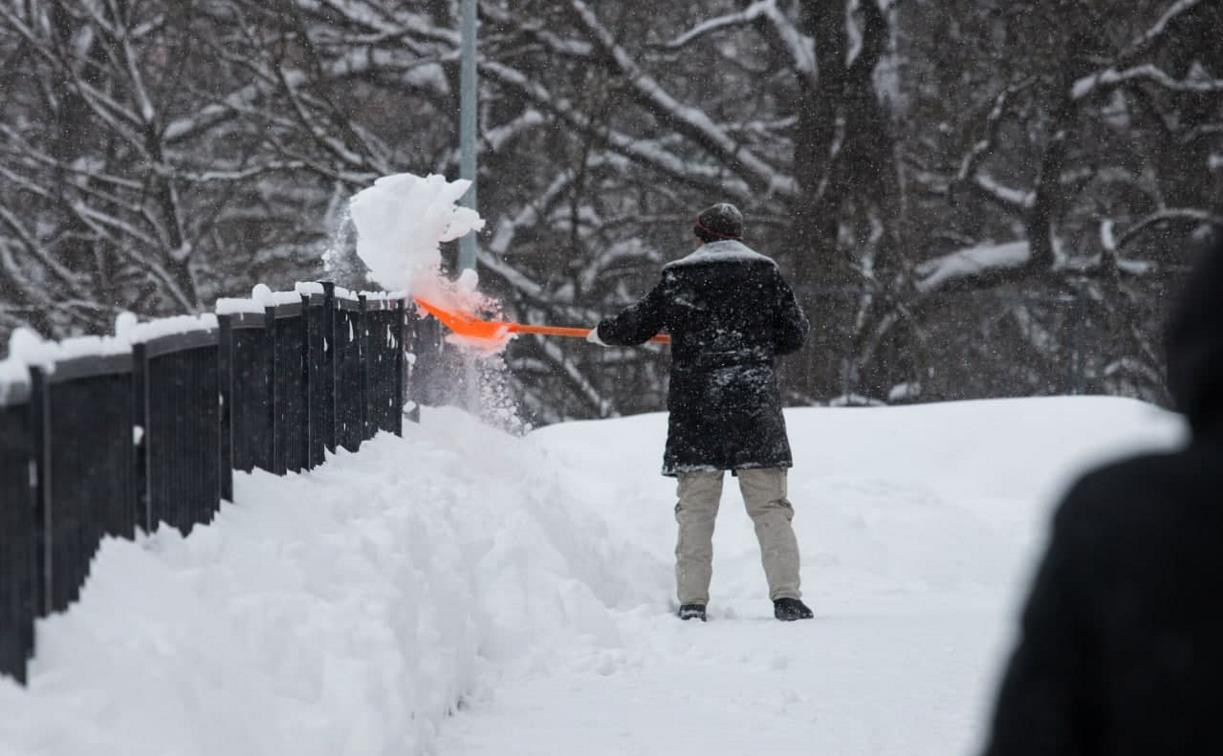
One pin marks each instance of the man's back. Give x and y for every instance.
(725, 302)
(1123, 634)
(730, 314)
(1122, 645)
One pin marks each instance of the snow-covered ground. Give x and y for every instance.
(347, 610)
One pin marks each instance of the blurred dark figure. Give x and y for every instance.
(1122, 643)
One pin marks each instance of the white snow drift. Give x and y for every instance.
(460, 591)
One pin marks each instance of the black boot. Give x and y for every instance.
(790, 609)
(692, 611)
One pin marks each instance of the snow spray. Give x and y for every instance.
(401, 222)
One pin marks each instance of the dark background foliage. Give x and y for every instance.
(972, 197)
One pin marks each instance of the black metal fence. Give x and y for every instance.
(132, 436)
(17, 566)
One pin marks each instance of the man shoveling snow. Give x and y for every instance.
(730, 315)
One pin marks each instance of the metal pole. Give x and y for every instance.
(467, 126)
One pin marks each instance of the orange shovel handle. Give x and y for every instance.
(466, 325)
(572, 333)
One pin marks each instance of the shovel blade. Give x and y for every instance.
(466, 327)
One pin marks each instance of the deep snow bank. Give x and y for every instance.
(346, 610)
(336, 612)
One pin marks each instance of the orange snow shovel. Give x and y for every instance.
(494, 331)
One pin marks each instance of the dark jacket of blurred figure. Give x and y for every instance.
(1122, 637)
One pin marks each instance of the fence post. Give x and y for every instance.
(275, 406)
(225, 368)
(369, 419)
(17, 529)
(40, 427)
(183, 427)
(330, 358)
(291, 395)
(248, 345)
(315, 313)
(89, 464)
(363, 369)
(304, 450)
(140, 427)
(400, 345)
(411, 360)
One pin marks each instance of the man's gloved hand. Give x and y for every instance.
(593, 337)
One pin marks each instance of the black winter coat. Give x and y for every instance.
(1122, 638)
(730, 314)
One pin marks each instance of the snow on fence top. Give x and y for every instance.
(238, 306)
(382, 296)
(309, 288)
(268, 298)
(156, 329)
(285, 298)
(27, 349)
(14, 381)
(31, 349)
(262, 297)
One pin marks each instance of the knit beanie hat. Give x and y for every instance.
(718, 222)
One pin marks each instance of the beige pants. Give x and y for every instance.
(764, 493)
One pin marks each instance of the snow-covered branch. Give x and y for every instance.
(799, 46)
(1167, 215)
(1151, 36)
(708, 178)
(986, 260)
(1149, 72)
(718, 23)
(1125, 67)
(690, 121)
(993, 121)
(1016, 201)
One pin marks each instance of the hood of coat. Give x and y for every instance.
(1195, 344)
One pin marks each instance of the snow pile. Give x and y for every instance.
(28, 347)
(401, 221)
(460, 591)
(14, 380)
(337, 612)
(13, 370)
